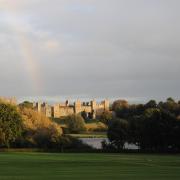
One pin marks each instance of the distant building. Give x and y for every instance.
(92, 108)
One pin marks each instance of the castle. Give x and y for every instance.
(92, 108)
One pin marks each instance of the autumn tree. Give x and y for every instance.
(75, 123)
(10, 124)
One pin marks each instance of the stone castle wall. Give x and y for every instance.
(65, 109)
(61, 111)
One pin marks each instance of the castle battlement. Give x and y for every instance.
(58, 110)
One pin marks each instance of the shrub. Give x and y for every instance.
(106, 117)
(75, 123)
(72, 144)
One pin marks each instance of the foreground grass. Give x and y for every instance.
(37, 166)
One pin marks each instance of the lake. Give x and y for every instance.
(96, 143)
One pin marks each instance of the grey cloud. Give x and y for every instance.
(104, 48)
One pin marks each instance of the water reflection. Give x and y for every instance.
(96, 143)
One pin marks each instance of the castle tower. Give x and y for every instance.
(93, 106)
(67, 103)
(55, 111)
(106, 105)
(46, 109)
(77, 107)
(38, 106)
(43, 108)
(34, 105)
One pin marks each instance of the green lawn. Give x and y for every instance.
(37, 166)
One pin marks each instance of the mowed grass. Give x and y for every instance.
(46, 166)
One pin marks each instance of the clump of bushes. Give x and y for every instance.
(106, 117)
(75, 123)
(38, 130)
(69, 143)
(41, 132)
(33, 120)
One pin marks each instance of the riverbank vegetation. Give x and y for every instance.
(22, 127)
(153, 127)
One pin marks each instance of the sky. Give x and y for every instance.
(86, 49)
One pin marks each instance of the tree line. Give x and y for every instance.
(153, 127)
(22, 127)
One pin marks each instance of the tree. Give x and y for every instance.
(171, 106)
(26, 104)
(10, 124)
(135, 127)
(40, 130)
(106, 117)
(170, 100)
(75, 123)
(157, 130)
(152, 127)
(47, 138)
(33, 120)
(151, 104)
(118, 133)
(119, 104)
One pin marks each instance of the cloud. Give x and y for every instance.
(100, 48)
(51, 45)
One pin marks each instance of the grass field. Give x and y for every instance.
(37, 166)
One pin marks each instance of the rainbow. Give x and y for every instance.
(24, 44)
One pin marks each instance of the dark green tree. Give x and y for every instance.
(118, 104)
(156, 133)
(118, 133)
(151, 104)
